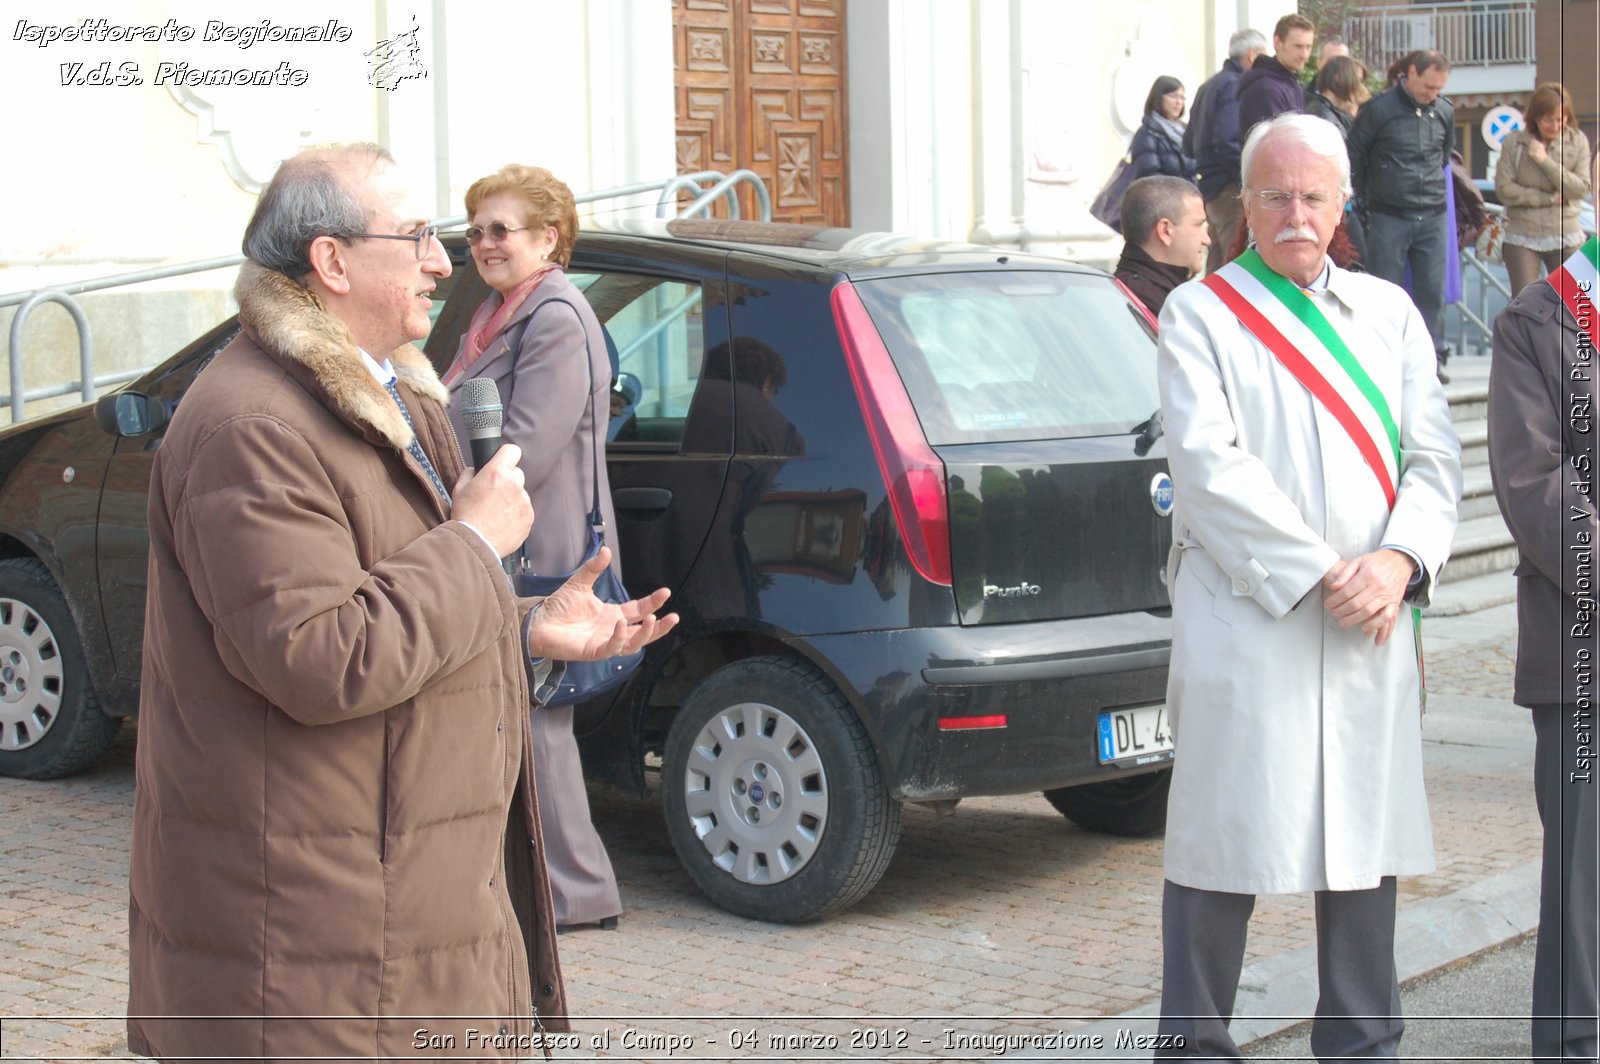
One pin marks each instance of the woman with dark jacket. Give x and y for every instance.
(1336, 95)
(538, 339)
(1158, 144)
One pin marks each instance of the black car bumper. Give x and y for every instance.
(1000, 709)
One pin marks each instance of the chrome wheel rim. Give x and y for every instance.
(30, 676)
(755, 793)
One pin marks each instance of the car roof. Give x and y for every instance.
(856, 252)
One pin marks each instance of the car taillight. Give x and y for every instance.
(911, 471)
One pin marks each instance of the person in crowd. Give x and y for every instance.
(1542, 458)
(1272, 85)
(1333, 46)
(538, 340)
(1337, 93)
(334, 841)
(1400, 146)
(1542, 177)
(1212, 138)
(1164, 223)
(1158, 143)
(1317, 477)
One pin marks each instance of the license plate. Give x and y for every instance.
(1135, 735)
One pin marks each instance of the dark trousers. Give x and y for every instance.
(1564, 961)
(1224, 216)
(1358, 1003)
(1523, 265)
(1395, 242)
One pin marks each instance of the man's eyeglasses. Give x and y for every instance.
(423, 238)
(1277, 202)
(498, 230)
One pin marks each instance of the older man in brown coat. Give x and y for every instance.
(336, 848)
(1543, 454)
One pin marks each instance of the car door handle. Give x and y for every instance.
(641, 498)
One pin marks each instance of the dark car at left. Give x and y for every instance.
(910, 497)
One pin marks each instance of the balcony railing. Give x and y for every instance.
(1469, 34)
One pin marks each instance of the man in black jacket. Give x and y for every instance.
(1399, 145)
(1164, 222)
(1212, 140)
(1272, 85)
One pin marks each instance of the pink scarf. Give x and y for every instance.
(488, 320)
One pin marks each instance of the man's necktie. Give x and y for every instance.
(416, 446)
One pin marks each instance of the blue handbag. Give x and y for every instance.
(585, 679)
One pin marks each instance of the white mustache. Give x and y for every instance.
(1295, 233)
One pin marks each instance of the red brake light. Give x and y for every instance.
(910, 470)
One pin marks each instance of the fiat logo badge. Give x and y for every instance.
(1161, 494)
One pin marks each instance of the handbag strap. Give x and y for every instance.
(596, 518)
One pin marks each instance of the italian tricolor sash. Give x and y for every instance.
(1291, 325)
(1574, 282)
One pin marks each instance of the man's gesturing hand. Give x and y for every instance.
(494, 501)
(1368, 590)
(573, 625)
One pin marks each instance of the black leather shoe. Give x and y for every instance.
(606, 923)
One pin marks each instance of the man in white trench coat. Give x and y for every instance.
(1317, 477)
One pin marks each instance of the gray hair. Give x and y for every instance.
(310, 196)
(1246, 40)
(1319, 135)
(1150, 199)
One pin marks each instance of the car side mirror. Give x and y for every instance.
(131, 414)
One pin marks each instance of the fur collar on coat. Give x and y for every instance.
(292, 323)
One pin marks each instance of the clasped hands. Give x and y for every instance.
(1368, 591)
(571, 624)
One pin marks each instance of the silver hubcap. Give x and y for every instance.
(30, 676)
(756, 793)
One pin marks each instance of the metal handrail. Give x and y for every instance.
(723, 186)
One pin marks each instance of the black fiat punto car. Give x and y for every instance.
(910, 497)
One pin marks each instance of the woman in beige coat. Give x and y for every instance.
(538, 339)
(1542, 176)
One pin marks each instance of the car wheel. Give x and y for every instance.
(773, 796)
(1135, 807)
(50, 720)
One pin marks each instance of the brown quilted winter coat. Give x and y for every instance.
(334, 814)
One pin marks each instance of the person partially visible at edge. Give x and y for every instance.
(538, 340)
(1157, 146)
(1542, 178)
(1302, 538)
(335, 839)
(1337, 93)
(1212, 139)
(1164, 223)
(1542, 457)
(1272, 85)
(1400, 146)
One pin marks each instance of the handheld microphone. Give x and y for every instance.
(484, 415)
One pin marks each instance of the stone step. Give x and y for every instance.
(1477, 493)
(1474, 436)
(1482, 545)
(1455, 597)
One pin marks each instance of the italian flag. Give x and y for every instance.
(1575, 281)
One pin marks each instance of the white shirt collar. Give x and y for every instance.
(382, 372)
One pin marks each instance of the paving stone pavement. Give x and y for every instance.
(1001, 921)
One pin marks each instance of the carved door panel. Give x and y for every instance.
(760, 86)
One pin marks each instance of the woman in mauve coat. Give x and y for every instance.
(538, 339)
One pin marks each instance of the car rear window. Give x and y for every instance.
(997, 356)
